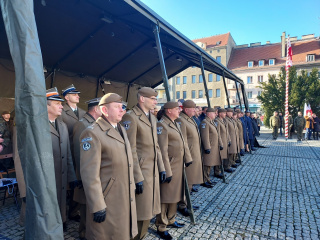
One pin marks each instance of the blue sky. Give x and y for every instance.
(248, 21)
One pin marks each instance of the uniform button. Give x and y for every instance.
(62, 157)
(62, 188)
(129, 165)
(131, 199)
(130, 182)
(62, 172)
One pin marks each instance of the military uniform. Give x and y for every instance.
(290, 125)
(225, 139)
(106, 168)
(191, 135)
(240, 133)
(274, 124)
(70, 118)
(299, 125)
(147, 159)
(233, 149)
(63, 165)
(210, 140)
(175, 153)
(79, 195)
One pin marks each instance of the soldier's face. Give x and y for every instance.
(55, 109)
(113, 112)
(190, 111)
(235, 116)
(174, 113)
(150, 102)
(222, 114)
(229, 114)
(211, 115)
(72, 97)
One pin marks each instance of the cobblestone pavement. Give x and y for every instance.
(274, 194)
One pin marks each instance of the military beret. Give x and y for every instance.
(5, 112)
(229, 110)
(109, 98)
(221, 110)
(70, 89)
(147, 92)
(170, 105)
(53, 94)
(211, 110)
(189, 104)
(93, 102)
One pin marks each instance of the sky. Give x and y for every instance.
(248, 21)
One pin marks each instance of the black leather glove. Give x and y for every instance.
(139, 187)
(80, 184)
(221, 148)
(207, 151)
(99, 216)
(188, 164)
(168, 180)
(229, 144)
(162, 176)
(73, 184)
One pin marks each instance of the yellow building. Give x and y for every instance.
(189, 83)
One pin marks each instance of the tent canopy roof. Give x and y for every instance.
(112, 40)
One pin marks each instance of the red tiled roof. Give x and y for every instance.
(240, 56)
(212, 41)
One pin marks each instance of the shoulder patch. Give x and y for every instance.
(159, 130)
(86, 146)
(126, 124)
(86, 139)
(203, 125)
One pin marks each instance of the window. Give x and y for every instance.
(218, 78)
(218, 92)
(184, 80)
(249, 94)
(210, 77)
(261, 63)
(178, 95)
(259, 93)
(200, 78)
(249, 79)
(271, 61)
(193, 78)
(193, 94)
(210, 93)
(310, 58)
(184, 94)
(260, 78)
(250, 64)
(219, 59)
(200, 93)
(178, 80)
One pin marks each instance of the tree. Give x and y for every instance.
(274, 91)
(304, 88)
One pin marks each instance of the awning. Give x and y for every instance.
(112, 41)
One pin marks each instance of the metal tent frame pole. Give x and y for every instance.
(156, 32)
(244, 97)
(225, 88)
(238, 94)
(204, 81)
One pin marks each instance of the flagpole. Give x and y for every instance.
(288, 64)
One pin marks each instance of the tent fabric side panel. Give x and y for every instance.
(34, 140)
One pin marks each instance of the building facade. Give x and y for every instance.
(189, 83)
(254, 63)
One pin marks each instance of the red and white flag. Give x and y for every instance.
(307, 109)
